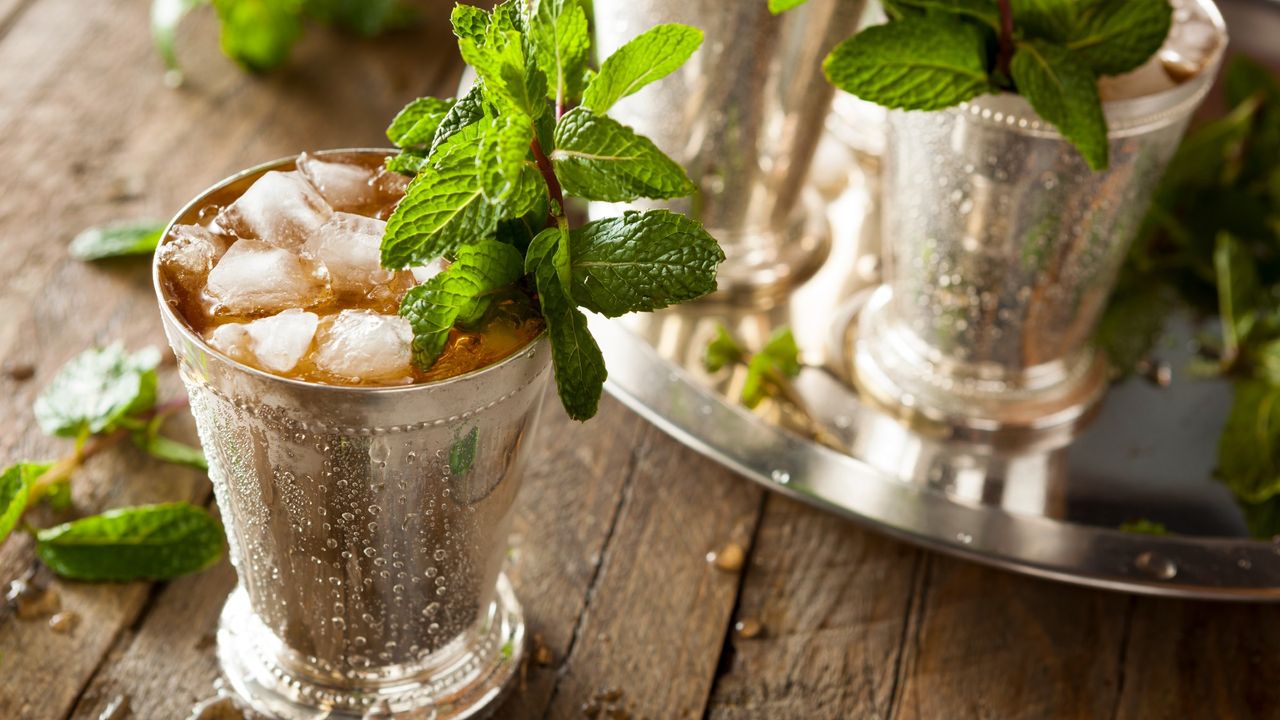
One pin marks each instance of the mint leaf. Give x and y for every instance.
(562, 42)
(1237, 293)
(511, 81)
(598, 158)
(1052, 20)
(98, 387)
(415, 126)
(461, 294)
(1144, 526)
(444, 207)
(984, 11)
(767, 370)
(15, 488)
(504, 144)
(777, 7)
(149, 542)
(723, 351)
(1116, 37)
(917, 63)
(1247, 450)
(641, 261)
(552, 243)
(132, 238)
(172, 451)
(469, 22)
(649, 56)
(258, 34)
(1064, 92)
(466, 111)
(579, 364)
(363, 17)
(166, 16)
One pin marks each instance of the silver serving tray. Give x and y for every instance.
(1048, 512)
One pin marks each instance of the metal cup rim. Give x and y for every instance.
(180, 324)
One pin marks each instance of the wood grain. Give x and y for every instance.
(649, 642)
(988, 644)
(832, 602)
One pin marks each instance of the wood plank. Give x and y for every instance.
(989, 644)
(831, 602)
(553, 565)
(650, 639)
(92, 135)
(1189, 660)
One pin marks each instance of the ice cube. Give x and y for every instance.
(281, 208)
(423, 273)
(362, 345)
(348, 246)
(343, 186)
(391, 187)
(189, 255)
(231, 340)
(254, 278)
(279, 342)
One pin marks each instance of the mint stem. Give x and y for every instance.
(1006, 39)
(553, 183)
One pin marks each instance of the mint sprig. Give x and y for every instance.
(100, 398)
(491, 188)
(934, 54)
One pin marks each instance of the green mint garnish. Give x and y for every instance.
(149, 542)
(97, 389)
(460, 295)
(781, 6)
(934, 54)
(138, 237)
(769, 371)
(1065, 92)
(650, 56)
(599, 158)
(490, 189)
(918, 63)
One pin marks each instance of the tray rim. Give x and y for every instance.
(1109, 557)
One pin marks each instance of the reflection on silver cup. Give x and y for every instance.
(1002, 248)
(743, 117)
(368, 527)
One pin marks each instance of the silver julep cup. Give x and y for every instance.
(367, 527)
(743, 117)
(1001, 251)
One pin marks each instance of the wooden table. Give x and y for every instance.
(615, 520)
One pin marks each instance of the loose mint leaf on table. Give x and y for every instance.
(1116, 37)
(1064, 92)
(132, 238)
(166, 16)
(598, 158)
(15, 488)
(444, 207)
(579, 364)
(461, 294)
(1237, 294)
(562, 43)
(149, 542)
(928, 62)
(641, 261)
(415, 126)
(723, 351)
(168, 450)
(649, 56)
(96, 389)
(258, 34)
